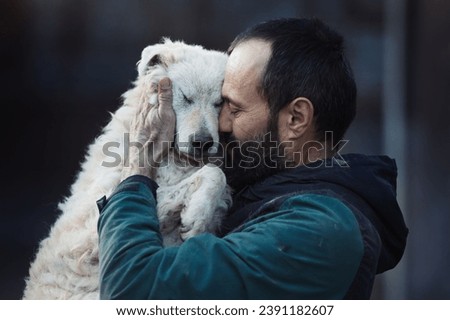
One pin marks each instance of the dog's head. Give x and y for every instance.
(197, 76)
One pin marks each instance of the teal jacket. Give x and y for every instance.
(298, 245)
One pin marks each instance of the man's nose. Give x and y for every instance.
(225, 123)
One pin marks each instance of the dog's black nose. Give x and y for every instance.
(202, 143)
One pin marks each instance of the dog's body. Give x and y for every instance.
(191, 199)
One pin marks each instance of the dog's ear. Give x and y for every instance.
(159, 55)
(154, 61)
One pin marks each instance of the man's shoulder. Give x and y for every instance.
(308, 214)
(314, 202)
(317, 234)
(324, 212)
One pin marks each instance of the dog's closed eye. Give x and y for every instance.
(189, 101)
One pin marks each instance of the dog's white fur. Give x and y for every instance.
(191, 199)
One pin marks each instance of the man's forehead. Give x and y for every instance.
(246, 64)
(249, 56)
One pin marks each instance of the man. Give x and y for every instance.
(304, 224)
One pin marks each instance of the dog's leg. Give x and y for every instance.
(207, 202)
(194, 205)
(171, 202)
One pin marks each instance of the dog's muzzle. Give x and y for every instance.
(202, 146)
(199, 147)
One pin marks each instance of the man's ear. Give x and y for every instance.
(299, 116)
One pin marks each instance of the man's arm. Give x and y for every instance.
(310, 248)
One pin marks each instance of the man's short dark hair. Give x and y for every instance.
(307, 61)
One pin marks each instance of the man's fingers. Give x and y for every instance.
(165, 100)
(165, 92)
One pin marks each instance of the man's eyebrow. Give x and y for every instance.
(233, 102)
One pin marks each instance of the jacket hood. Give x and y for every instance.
(369, 178)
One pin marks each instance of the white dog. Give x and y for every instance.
(191, 200)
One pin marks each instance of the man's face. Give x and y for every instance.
(245, 113)
(247, 130)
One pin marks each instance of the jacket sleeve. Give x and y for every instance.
(310, 248)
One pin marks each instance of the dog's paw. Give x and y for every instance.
(191, 230)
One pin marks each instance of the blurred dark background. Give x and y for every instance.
(65, 63)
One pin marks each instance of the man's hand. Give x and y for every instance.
(151, 132)
(161, 120)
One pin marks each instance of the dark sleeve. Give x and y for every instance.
(128, 227)
(308, 249)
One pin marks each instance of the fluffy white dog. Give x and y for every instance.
(191, 199)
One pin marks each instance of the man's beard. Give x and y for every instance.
(249, 162)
